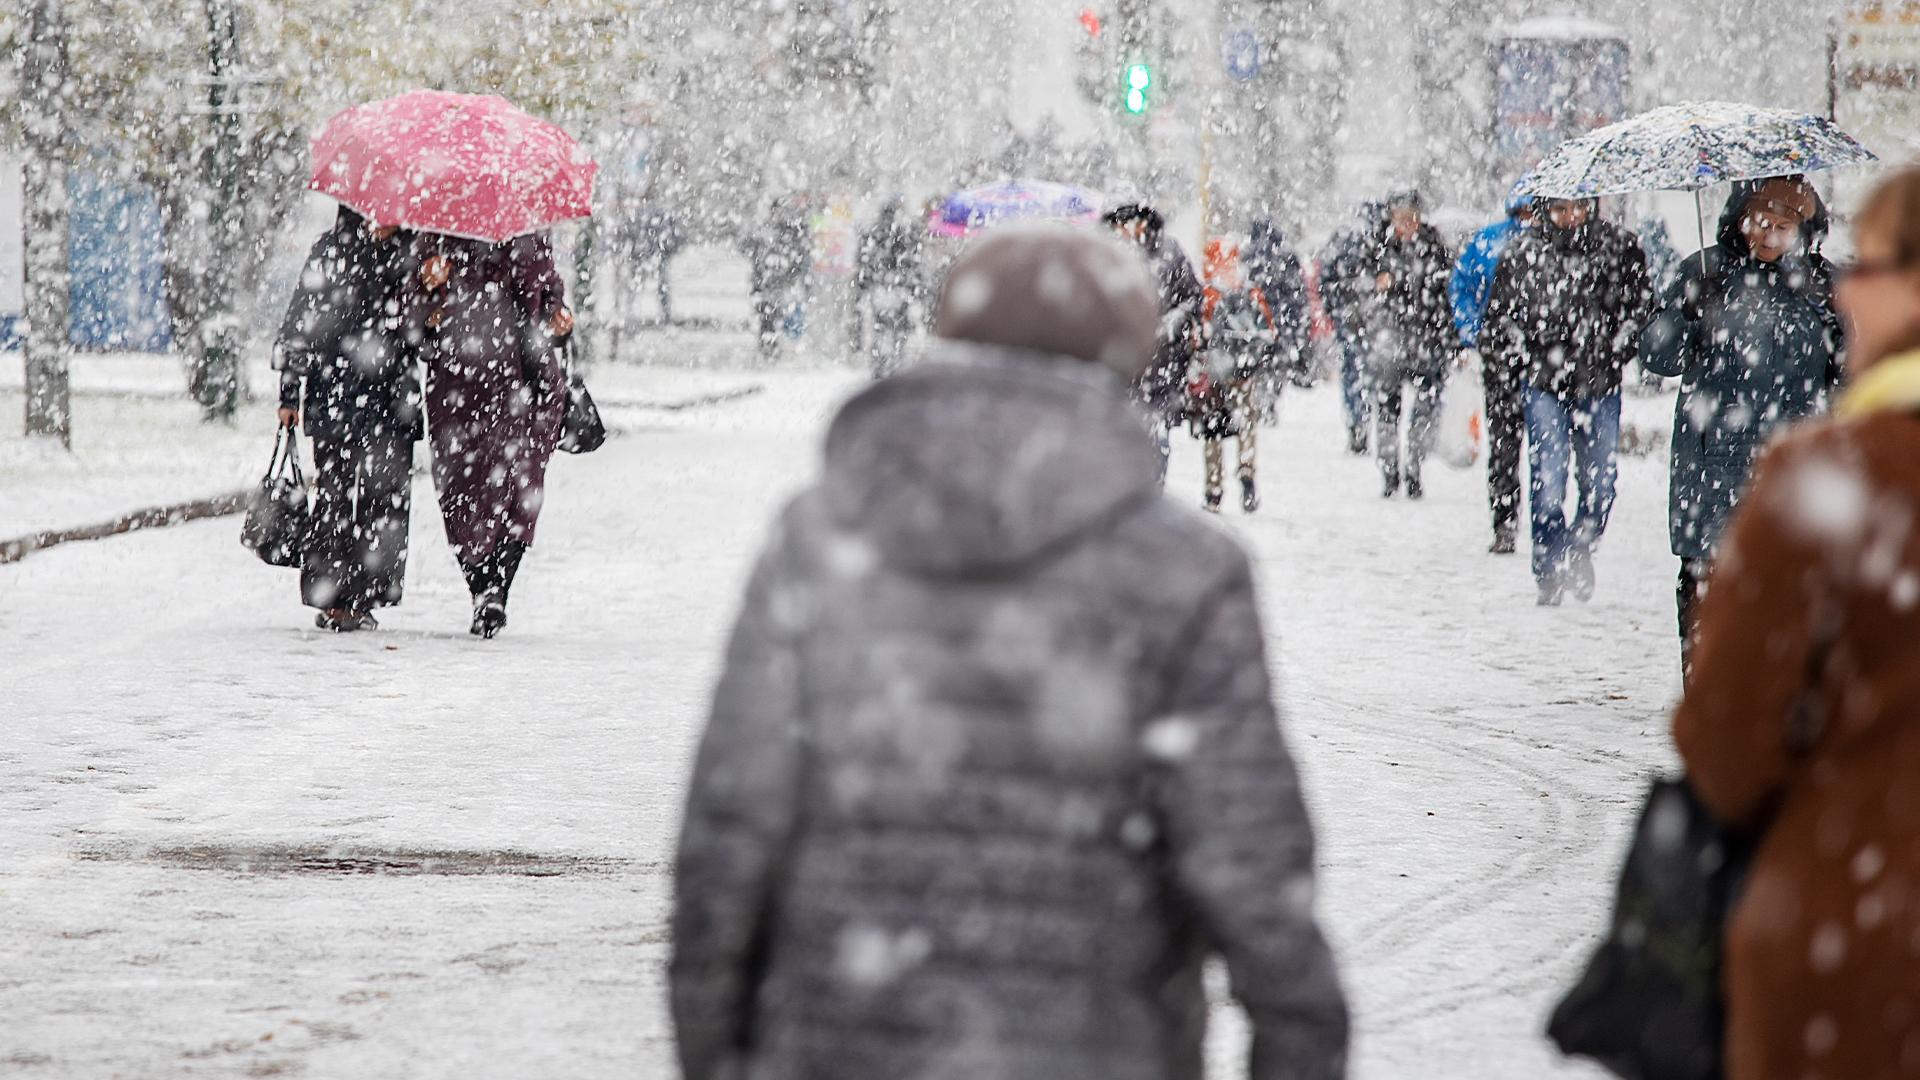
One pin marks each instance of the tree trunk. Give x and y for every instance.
(43, 92)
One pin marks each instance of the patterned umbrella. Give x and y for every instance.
(461, 164)
(967, 212)
(1690, 146)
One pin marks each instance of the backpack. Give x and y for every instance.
(1240, 331)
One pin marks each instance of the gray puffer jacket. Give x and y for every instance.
(994, 764)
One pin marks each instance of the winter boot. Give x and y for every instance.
(489, 614)
(1414, 490)
(1249, 499)
(1502, 540)
(1552, 588)
(1389, 485)
(1580, 574)
(1357, 439)
(1212, 502)
(341, 621)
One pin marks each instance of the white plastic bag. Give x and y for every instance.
(1459, 430)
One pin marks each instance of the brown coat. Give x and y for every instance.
(1812, 612)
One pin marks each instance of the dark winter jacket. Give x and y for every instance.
(780, 256)
(1760, 350)
(1273, 268)
(1340, 263)
(1160, 386)
(993, 764)
(1566, 307)
(887, 267)
(1410, 324)
(344, 337)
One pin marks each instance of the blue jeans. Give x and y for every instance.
(1355, 386)
(1587, 431)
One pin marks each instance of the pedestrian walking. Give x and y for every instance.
(652, 240)
(1565, 310)
(1339, 266)
(1750, 330)
(993, 764)
(1398, 292)
(886, 276)
(347, 376)
(1224, 394)
(780, 259)
(1272, 267)
(490, 316)
(1499, 380)
(1161, 387)
(1801, 721)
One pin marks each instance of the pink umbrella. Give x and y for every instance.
(462, 164)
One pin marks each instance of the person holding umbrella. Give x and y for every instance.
(479, 181)
(347, 366)
(491, 317)
(1749, 328)
(1565, 310)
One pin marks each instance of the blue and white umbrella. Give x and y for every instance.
(1690, 146)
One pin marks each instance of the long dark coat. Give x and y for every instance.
(1565, 309)
(1811, 621)
(1273, 268)
(493, 419)
(1761, 351)
(993, 764)
(1161, 385)
(345, 340)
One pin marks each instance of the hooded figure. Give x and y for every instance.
(347, 371)
(1272, 267)
(1756, 343)
(993, 764)
(1562, 318)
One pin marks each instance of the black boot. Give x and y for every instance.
(1249, 499)
(489, 614)
(1502, 540)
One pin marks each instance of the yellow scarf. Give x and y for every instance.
(1893, 383)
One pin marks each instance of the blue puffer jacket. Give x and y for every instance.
(1473, 276)
(1761, 352)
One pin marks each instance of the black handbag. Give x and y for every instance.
(277, 516)
(581, 429)
(1649, 1006)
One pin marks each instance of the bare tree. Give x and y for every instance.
(45, 86)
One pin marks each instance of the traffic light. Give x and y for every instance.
(1133, 87)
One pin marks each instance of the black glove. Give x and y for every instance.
(1696, 294)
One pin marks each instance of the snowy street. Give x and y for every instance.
(241, 846)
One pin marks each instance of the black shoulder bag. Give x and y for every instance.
(1650, 1004)
(581, 429)
(277, 517)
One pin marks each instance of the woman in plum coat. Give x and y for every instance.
(491, 315)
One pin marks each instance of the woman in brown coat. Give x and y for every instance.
(1802, 715)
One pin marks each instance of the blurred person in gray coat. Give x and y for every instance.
(993, 765)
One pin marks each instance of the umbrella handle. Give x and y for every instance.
(1700, 227)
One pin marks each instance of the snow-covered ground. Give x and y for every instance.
(237, 846)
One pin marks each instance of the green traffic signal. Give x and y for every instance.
(1138, 78)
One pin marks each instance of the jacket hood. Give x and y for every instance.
(983, 457)
(1728, 235)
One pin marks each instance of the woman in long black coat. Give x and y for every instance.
(347, 371)
(491, 315)
(1752, 333)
